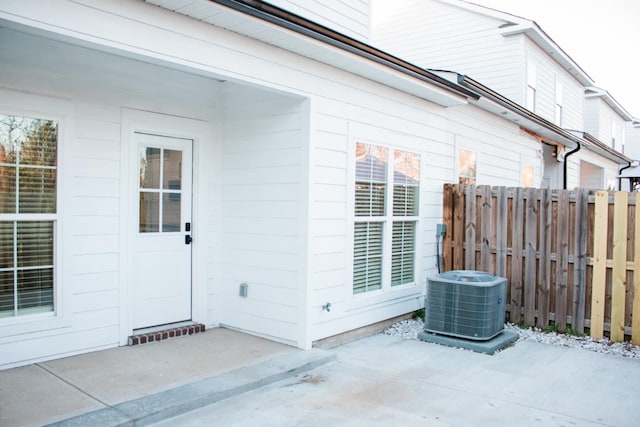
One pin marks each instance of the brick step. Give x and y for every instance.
(172, 331)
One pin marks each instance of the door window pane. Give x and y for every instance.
(35, 291)
(150, 167)
(172, 170)
(149, 212)
(171, 212)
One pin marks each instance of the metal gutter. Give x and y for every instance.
(565, 166)
(306, 27)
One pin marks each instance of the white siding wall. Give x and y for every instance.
(439, 36)
(263, 212)
(548, 72)
(599, 118)
(350, 17)
(598, 181)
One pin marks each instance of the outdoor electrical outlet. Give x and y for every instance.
(441, 229)
(244, 289)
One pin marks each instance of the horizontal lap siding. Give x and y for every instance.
(261, 213)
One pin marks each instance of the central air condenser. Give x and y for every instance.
(466, 304)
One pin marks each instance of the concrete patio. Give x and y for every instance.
(222, 377)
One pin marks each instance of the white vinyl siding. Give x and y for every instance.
(532, 91)
(559, 110)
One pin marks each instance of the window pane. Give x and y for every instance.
(38, 145)
(367, 262)
(37, 191)
(7, 188)
(150, 167)
(405, 200)
(6, 293)
(10, 136)
(403, 252)
(149, 212)
(35, 244)
(406, 168)
(6, 244)
(171, 212)
(467, 167)
(172, 170)
(370, 199)
(35, 291)
(371, 163)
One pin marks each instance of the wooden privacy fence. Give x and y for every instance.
(570, 257)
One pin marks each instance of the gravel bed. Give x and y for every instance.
(409, 329)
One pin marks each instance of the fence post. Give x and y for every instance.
(599, 264)
(562, 263)
(448, 209)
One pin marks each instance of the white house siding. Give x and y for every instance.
(601, 120)
(349, 17)
(262, 212)
(440, 36)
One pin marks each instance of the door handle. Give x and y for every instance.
(187, 239)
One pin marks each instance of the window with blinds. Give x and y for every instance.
(386, 213)
(28, 193)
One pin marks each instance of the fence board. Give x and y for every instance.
(501, 233)
(530, 258)
(485, 229)
(544, 261)
(580, 263)
(458, 223)
(447, 219)
(599, 264)
(562, 263)
(635, 318)
(470, 229)
(515, 301)
(618, 289)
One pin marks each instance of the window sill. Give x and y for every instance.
(384, 296)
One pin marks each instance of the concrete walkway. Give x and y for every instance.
(222, 377)
(147, 383)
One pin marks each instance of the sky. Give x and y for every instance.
(602, 36)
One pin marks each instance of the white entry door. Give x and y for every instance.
(162, 242)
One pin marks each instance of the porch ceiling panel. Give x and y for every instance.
(224, 17)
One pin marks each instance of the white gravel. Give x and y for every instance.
(409, 329)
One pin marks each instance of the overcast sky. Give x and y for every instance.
(602, 36)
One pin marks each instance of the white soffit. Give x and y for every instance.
(223, 17)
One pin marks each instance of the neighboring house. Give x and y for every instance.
(516, 58)
(229, 163)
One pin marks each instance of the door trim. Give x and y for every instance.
(173, 126)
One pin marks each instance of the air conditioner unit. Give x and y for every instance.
(466, 304)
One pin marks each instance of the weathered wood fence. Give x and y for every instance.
(570, 257)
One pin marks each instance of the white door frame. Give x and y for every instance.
(172, 126)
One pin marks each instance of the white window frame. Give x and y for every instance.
(388, 219)
(34, 106)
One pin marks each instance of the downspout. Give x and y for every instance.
(566, 156)
(620, 175)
